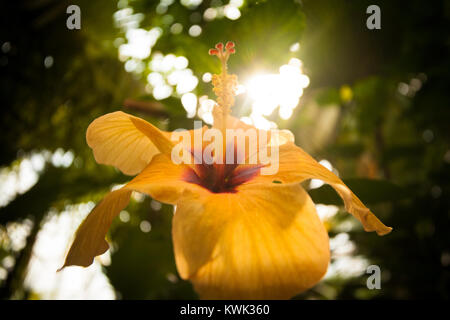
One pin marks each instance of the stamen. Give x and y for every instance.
(224, 85)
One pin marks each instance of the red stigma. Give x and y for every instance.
(229, 45)
(213, 52)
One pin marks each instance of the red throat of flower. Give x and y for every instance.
(221, 178)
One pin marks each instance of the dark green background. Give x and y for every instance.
(408, 188)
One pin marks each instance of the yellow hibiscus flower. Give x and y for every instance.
(237, 233)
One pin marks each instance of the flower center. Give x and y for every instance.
(221, 178)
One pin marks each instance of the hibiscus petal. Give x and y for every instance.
(164, 181)
(90, 236)
(283, 136)
(117, 141)
(261, 139)
(159, 138)
(263, 242)
(295, 165)
(161, 179)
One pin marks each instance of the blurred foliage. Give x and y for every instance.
(377, 108)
